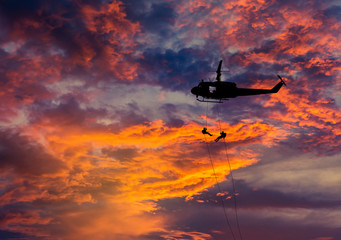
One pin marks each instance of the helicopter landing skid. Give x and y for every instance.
(211, 101)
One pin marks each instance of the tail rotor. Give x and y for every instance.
(282, 81)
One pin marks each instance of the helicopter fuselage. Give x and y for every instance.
(223, 90)
(215, 90)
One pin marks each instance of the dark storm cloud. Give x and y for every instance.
(64, 36)
(26, 156)
(121, 154)
(73, 37)
(207, 213)
(157, 18)
(333, 11)
(18, 11)
(182, 68)
(35, 218)
(263, 198)
(67, 113)
(320, 141)
(15, 235)
(170, 111)
(15, 211)
(20, 82)
(131, 114)
(249, 198)
(272, 47)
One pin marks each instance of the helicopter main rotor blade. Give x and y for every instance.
(219, 70)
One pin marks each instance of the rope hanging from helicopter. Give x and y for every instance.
(219, 190)
(234, 193)
(221, 194)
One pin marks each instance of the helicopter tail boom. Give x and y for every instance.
(278, 85)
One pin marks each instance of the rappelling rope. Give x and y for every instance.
(206, 113)
(219, 189)
(232, 180)
(217, 183)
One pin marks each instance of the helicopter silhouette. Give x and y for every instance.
(219, 91)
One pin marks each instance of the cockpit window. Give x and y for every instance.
(212, 89)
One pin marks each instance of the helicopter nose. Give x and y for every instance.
(194, 90)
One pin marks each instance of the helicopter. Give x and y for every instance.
(219, 91)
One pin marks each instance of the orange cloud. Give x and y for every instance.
(110, 21)
(305, 112)
(176, 234)
(302, 113)
(165, 162)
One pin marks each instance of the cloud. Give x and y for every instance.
(256, 213)
(156, 18)
(26, 157)
(122, 170)
(67, 113)
(333, 11)
(182, 68)
(125, 154)
(84, 37)
(298, 174)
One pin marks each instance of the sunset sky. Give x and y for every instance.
(100, 137)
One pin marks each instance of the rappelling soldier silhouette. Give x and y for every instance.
(222, 135)
(204, 131)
